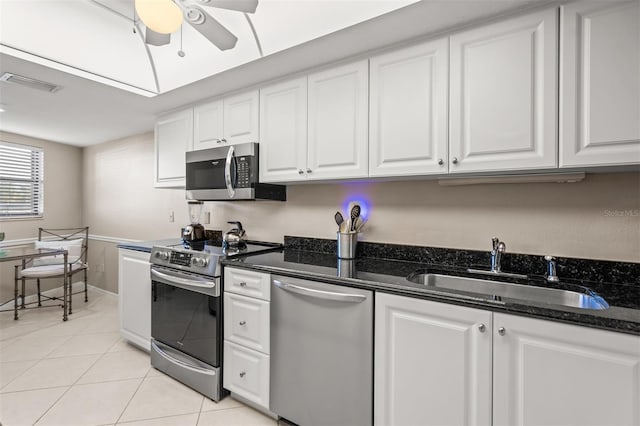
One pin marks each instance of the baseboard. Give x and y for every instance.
(75, 287)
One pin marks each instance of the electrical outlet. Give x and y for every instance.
(207, 218)
(171, 216)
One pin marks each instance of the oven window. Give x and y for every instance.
(205, 175)
(187, 321)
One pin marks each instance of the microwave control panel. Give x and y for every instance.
(246, 166)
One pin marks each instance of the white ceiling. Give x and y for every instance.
(86, 111)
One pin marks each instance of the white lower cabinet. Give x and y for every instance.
(134, 297)
(246, 335)
(246, 373)
(548, 373)
(432, 363)
(440, 364)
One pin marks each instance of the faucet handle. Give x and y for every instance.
(502, 247)
(494, 242)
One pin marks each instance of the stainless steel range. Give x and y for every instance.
(186, 312)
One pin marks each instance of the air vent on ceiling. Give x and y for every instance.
(7, 77)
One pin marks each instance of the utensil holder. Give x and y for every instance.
(347, 243)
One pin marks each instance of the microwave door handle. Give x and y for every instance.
(227, 173)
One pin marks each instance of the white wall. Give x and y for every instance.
(62, 201)
(574, 220)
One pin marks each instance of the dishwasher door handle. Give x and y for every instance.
(320, 294)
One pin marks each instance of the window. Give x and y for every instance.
(20, 180)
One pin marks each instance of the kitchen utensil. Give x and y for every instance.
(339, 219)
(235, 238)
(360, 224)
(355, 214)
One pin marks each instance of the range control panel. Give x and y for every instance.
(180, 258)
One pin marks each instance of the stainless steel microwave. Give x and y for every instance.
(228, 173)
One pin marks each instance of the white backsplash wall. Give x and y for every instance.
(598, 218)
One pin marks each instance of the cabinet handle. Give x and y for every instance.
(309, 170)
(242, 374)
(441, 161)
(218, 141)
(300, 171)
(224, 140)
(482, 328)
(243, 322)
(243, 284)
(502, 331)
(455, 160)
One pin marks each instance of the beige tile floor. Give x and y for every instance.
(81, 372)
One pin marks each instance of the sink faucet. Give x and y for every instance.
(499, 247)
(552, 276)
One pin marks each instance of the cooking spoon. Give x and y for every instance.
(355, 214)
(339, 219)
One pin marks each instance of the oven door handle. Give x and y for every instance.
(163, 351)
(227, 173)
(172, 279)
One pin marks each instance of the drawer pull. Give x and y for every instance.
(243, 284)
(243, 322)
(242, 374)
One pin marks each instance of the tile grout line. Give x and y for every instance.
(132, 396)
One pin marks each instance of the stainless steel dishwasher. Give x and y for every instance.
(321, 353)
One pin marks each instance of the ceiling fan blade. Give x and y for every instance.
(246, 6)
(156, 39)
(209, 27)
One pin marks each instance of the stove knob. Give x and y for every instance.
(162, 255)
(199, 261)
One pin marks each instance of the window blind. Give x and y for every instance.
(21, 183)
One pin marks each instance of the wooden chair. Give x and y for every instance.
(75, 241)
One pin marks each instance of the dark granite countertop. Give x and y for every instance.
(389, 275)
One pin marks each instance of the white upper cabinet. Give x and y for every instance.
(503, 95)
(208, 125)
(231, 120)
(547, 373)
(600, 83)
(241, 122)
(408, 111)
(173, 137)
(283, 131)
(337, 122)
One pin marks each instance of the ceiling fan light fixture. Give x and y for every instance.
(161, 16)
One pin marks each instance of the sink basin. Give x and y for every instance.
(498, 289)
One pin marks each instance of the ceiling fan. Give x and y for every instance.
(195, 16)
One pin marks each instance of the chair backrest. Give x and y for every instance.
(65, 234)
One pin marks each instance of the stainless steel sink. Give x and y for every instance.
(495, 289)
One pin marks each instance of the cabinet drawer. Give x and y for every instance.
(248, 283)
(246, 373)
(246, 321)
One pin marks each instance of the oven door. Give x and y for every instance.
(186, 313)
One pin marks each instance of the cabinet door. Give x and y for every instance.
(283, 131)
(247, 283)
(547, 373)
(208, 125)
(246, 321)
(504, 95)
(338, 111)
(134, 297)
(173, 137)
(408, 111)
(432, 363)
(241, 118)
(600, 84)
(246, 373)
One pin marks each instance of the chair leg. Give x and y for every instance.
(15, 293)
(70, 286)
(39, 303)
(23, 293)
(86, 294)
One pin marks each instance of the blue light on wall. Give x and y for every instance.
(360, 199)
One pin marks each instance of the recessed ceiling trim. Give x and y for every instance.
(20, 54)
(29, 82)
